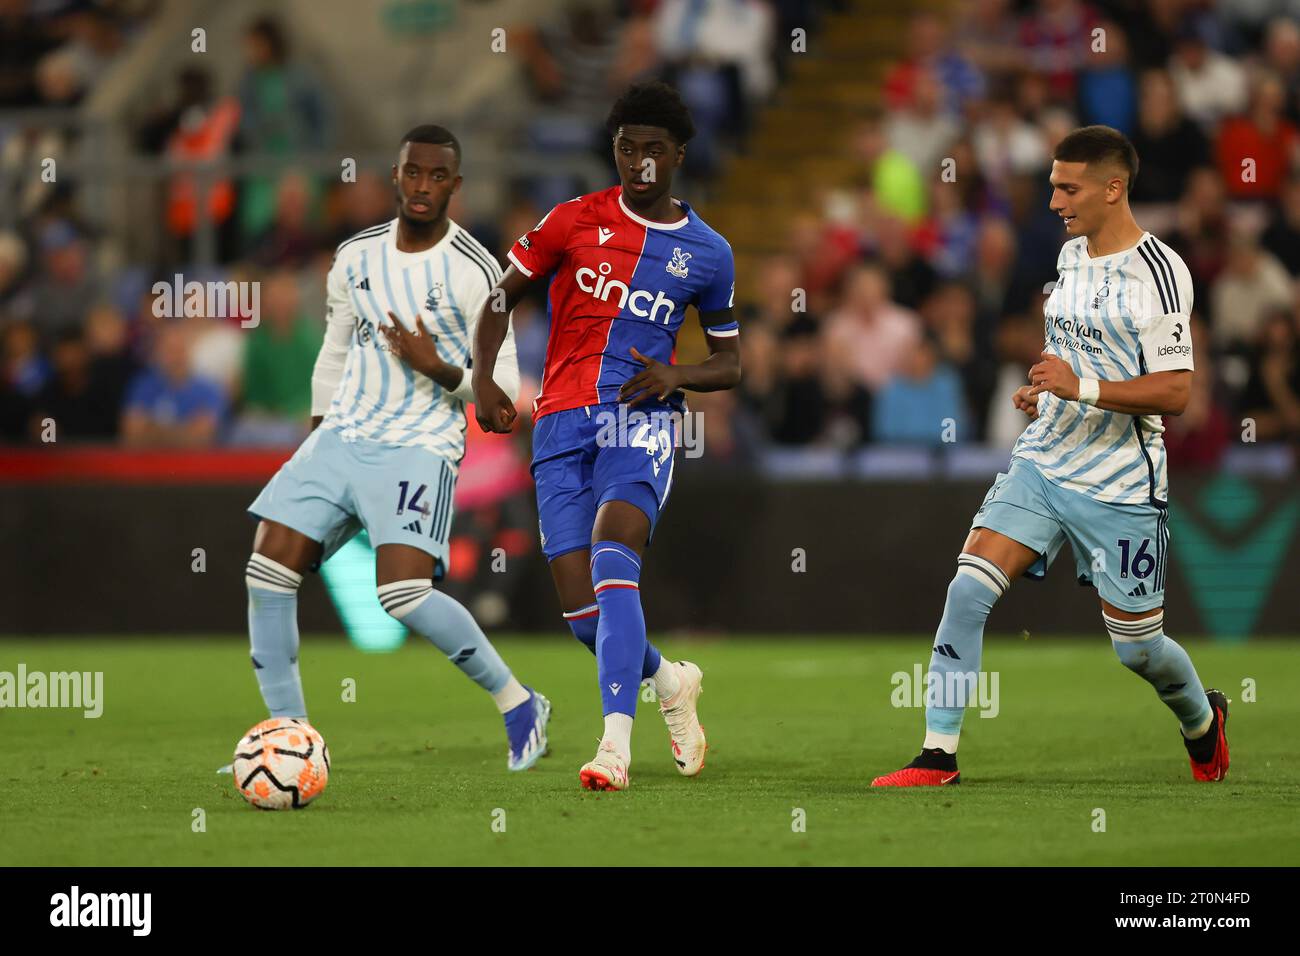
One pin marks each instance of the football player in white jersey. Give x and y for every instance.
(1090, 469)
(388, 405)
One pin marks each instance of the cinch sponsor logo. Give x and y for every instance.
(1174, 350)
(102, 909)
(82, 690)
(640, 303)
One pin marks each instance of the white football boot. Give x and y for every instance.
(683, 722)
(606, 771)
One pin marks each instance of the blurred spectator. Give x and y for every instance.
(895, 181)
(24, 41)
(1272, 396)
(1006, 144)
(870, 336)
(1020, 342)
(292, 238)
(113, 367)
(1056, 40)
(911, 278)
(1168, 144)
(923, 402)
(949, 316)
(282, 111)
(922, 131)
(167, 404)
(989, 36)
(57, 300)
(1251, 286)
(13, 262)
(1281, 238)
(929, 50)
(193, 94)
(1282, 56)
(368, 202)
(23, 374)
(1210, 86)
(1201, 232)
(81, 404)
(1258, 150)
(1107, 88)
(204, 131)
(278, 363)
(824, 251)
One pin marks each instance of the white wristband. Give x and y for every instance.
(1089, 391)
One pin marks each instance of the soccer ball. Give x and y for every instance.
(281, 764)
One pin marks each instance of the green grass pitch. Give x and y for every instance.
(795, 724)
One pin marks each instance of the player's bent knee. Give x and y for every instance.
(1134, 641)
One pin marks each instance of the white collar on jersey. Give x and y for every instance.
(650, 224)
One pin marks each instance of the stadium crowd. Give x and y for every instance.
(922, 292)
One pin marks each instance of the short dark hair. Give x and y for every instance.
(652, 104)
(434, 136)
(1099, 144)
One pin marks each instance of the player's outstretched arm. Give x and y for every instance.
(492, 406)
(1156, 393)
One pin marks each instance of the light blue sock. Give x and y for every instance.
(584, 623)
(273, 634)
(451, 628)
(958, 644)
(1145, 650)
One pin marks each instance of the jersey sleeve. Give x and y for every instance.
(1165, 333)
(720, 294)
(538, 252)
(340, 319)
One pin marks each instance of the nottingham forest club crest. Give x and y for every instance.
(1102, 293)
(677, 265)
(434, 297)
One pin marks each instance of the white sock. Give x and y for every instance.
(665, 678)
(618, 731)
(945, 742)
(510, 696)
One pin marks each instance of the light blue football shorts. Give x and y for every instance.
(331, 488)
(1120, 549)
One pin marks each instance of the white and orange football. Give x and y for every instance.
(281, 764)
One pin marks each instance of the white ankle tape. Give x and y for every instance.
(402, 597)
(270, 575)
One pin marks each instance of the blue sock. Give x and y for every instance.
(451, 628)
(273, 634)
(958, 644)
(620, 632)
(1145, 650)
(584, 622)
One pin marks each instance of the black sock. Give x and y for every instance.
(1202, 748)
(935, 759)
